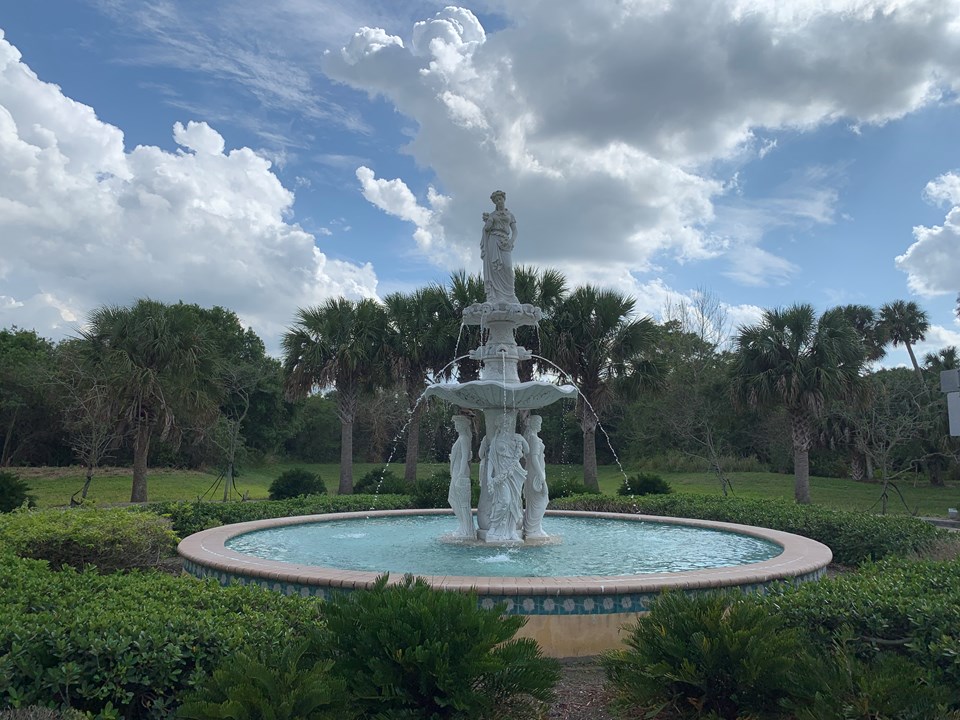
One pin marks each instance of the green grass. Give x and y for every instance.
(54, 486)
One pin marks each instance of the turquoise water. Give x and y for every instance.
(588, 546)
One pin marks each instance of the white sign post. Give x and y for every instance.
(950, 384)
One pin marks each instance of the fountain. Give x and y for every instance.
(576, 595)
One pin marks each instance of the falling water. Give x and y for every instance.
(586, 402)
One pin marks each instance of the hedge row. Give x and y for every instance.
(110, 540)
(909, 607)
(127, 645)
(191, 517)
(854, 537)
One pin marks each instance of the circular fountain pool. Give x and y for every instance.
(576, 594)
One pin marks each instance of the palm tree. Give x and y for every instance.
(864, 321)
(604, 351)
(419, 345)
(944, 359)
(904, 323)
(545, 289)
(340, 344)
(158, 365)
(791, 359)
(464, 290)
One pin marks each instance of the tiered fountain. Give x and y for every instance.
(513, 488)
(577, 595)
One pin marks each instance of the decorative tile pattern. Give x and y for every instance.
(525, 604)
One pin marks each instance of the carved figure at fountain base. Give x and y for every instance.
(535, 492)
(459, 495)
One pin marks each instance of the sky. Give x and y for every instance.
(267, 156)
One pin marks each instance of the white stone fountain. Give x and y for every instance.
(513, 488)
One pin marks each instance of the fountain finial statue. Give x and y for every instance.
(496, 251)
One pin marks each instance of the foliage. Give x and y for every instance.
(903, 606)
(133, 642)
(712, 653)
(39, 712)
(290, 683)
(886, 687)
(339, 344)
(382, 481)
(192, 517)
(314, 431)
(675, 461)
(14, 492)
(793, 360)
(296, 482)
(644, 484)
(409, 651)
(853, 537)
(432, 492)
(108, 540)
(562, 487)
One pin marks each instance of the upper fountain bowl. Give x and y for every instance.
(486, 394)
(515, 313)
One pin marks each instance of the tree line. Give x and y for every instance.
(155, 383)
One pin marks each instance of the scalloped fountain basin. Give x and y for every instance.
(574, 606)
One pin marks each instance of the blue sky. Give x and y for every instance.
(267, 156)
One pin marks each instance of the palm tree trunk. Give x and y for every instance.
(589, 425)
(6, 455)
(801, 431)
(913, 359)
(347, 410)
(141, 449)
(857, 467)
(413, 446)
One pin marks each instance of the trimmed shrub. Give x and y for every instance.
(292, 683)
(567, 487)
(894, 606)
(296, 482)
(109, 540)
(409, 651)
(191, 517)
(14, 493)
(644, 484)
(854, 537)
(129, 644)
(432, 492)
(707, 654)
(381, 482)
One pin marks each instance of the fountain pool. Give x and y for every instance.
(574, 607)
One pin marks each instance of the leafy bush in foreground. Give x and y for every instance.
(894, 606)
(296, 482)
(110, 540)
(292, 683)
(191, 517)
(707, 654)
(566, 487)
(409, 651)
(854, 537)
(36, 712)
(14, 492)
(131, 641)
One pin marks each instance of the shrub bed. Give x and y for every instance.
(908, 607)
(127, 645)
(108, 539)
(191, 517)
(296, 482)
(854, 537)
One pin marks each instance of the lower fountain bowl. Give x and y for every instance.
(570, 616)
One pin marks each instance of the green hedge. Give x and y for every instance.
(909, 607)
(127, 645)
(191, 517)
(854, 537)
(108, 539)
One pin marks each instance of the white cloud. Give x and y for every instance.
(86, 222)
(932, 262)
(603, 122)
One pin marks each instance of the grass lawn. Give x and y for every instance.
(54, 486)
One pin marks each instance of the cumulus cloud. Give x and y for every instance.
(604, 122)
(86, 222)
(932, 262)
